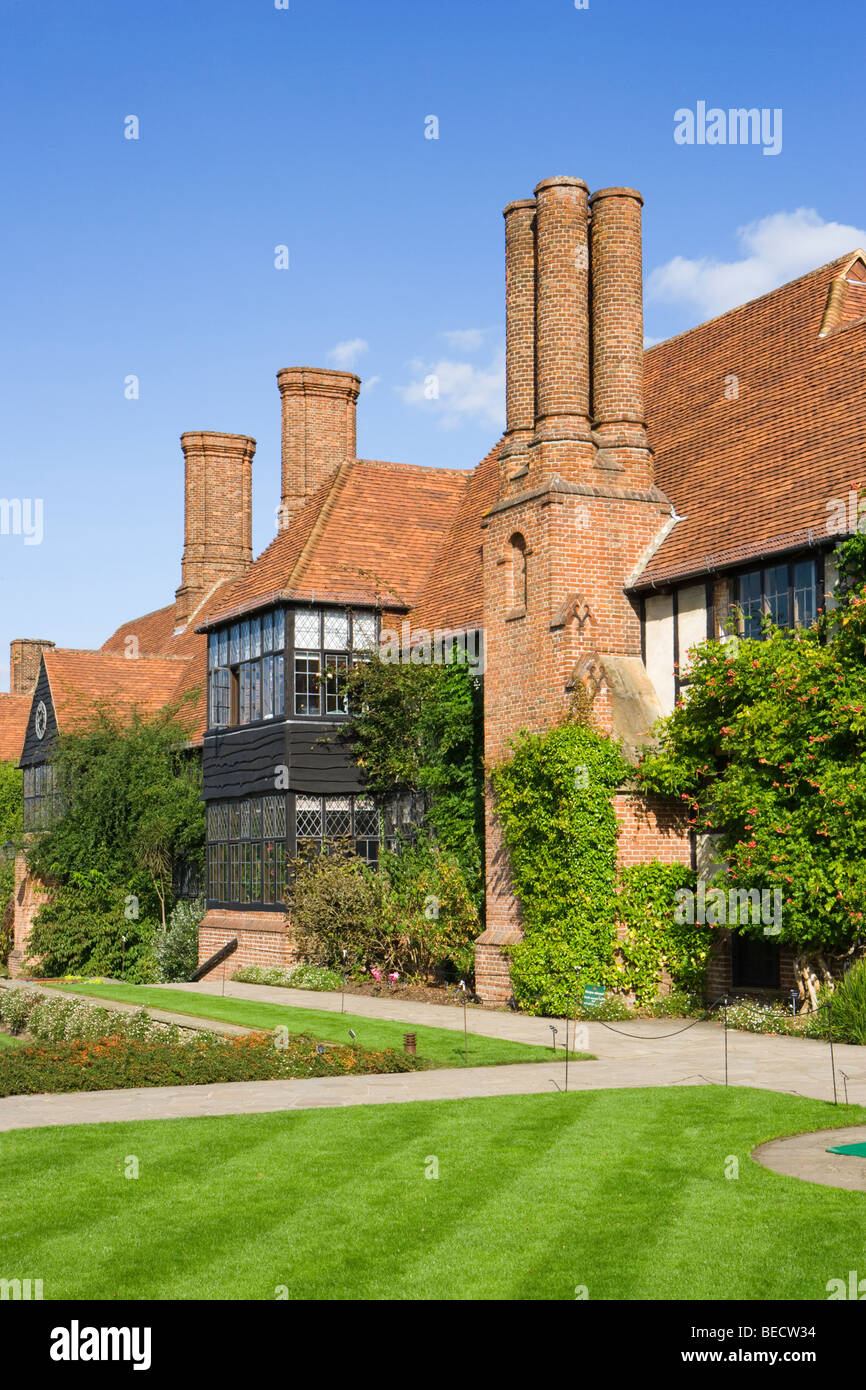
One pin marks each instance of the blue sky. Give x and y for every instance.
(306, 127)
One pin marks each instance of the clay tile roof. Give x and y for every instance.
(370, 534)
(751, 469)
(454, 594)
(157, 636)
(81, 679)
(14, 713)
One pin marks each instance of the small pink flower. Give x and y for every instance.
(377, 974)
(393, 977)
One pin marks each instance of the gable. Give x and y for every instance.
(38, 750)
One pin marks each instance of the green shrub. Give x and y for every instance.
(336, 909)
(612, 1009)
(430, 915)
(848, 1006)
(654, 940)
(175, 950)
(302, 976)
(755, 1016)
(415, 916)
(111, 1062)
(678, 1004)
(52, 1018)
(16, 1006)
(553, 800)
(11, 779)
(80, 930)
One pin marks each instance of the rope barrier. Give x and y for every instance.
(658, 1037)
(637, 1037)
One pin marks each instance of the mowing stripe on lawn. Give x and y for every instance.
(440, 1045)
(627, 1194)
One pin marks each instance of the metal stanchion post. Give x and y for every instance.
(830, 1038)
(726, 1037)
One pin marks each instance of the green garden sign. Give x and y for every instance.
(592, 995)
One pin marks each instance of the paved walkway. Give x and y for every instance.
(641, 1053)
(805, 1156)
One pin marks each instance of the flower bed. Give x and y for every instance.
(53, 1019)
(109, 1063)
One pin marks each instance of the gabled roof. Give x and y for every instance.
(370, 534)
(79, 680)
(14, 713)
(758, 422)
(157, 635)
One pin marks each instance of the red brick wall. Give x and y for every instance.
(264, 938)
(30, 894)
(651, 827)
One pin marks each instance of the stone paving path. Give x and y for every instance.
(662, 1052)
(805, 1156)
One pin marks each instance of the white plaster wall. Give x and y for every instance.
(692, 622)
(659, 638)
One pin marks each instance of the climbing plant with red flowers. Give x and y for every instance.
(767, 748)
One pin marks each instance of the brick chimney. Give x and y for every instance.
(562, 324)
(218, 514)
(617, 334)
(25, 656)
(519, 333)
(577, 507)
(319, 408)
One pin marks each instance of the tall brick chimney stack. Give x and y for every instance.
(563, 435)
(218, 529)
(25, 656)
(319, 424)
(519, 333)
(577, 509)
(617, 334)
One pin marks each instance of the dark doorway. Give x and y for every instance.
(754, 962)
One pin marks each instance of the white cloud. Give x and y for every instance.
(345, 355)
(460, 391)
(776, 248)
(464, 339)
(367, 386)
(649, 341)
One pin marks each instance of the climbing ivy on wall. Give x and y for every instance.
(553, 800)
(654, 941)
(554, 803)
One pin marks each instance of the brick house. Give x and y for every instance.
(634, 498)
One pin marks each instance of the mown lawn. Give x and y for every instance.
(442, 1046)
(621, 1192)
(7, 1041)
